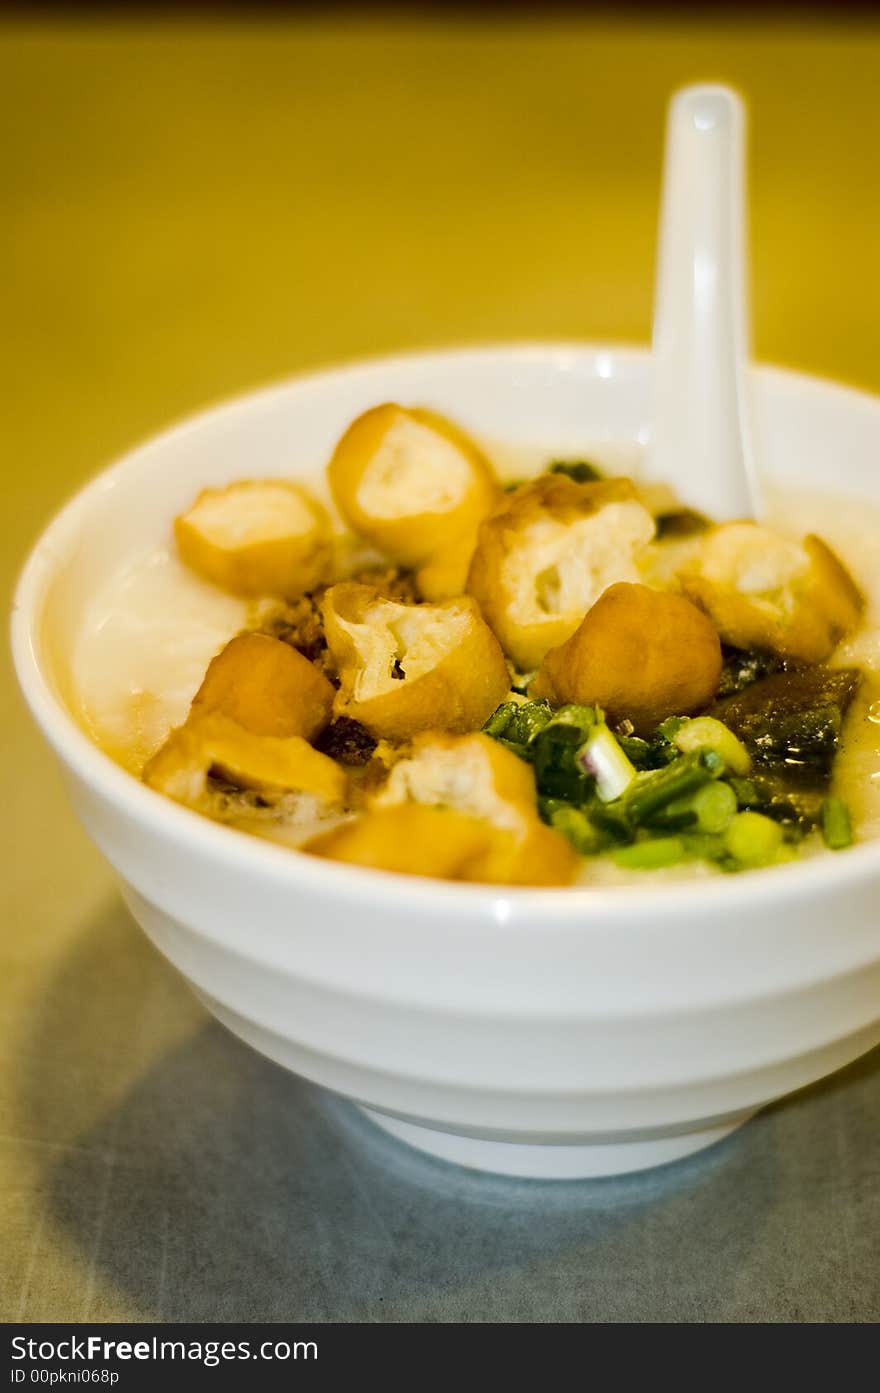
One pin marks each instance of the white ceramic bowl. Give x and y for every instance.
(552, 1033)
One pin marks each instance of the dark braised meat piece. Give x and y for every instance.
(743, 666)
(793, 797)
(792, 720)
(346, 741)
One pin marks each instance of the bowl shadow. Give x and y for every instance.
(206, 1184)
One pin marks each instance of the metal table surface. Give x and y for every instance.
(191, 208)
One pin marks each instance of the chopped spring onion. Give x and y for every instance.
(677, 817)
(836, 824)
(705, 733)
(500, 719)
(752, 839)
(582, 471)
(583, 834)
(517, 723)
(572, 723)
(710, 810)
(651, 791)
(748, 795)
(651, 855)
(602, 757)
(705, 846)
(715, 806)
(635, 749)
(683, 794)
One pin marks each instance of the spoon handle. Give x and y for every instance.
(700, 434)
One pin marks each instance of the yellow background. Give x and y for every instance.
(190, 209)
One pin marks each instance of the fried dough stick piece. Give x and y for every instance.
(211, 749)
(476, 777)
(640, 654)
(267, 687)
(257, 537)
(437, 842)
(409, 668)
(417, 487)
(763, 590)
(547, 553)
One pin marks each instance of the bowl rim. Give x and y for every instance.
(587, 904)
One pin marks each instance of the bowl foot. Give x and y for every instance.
(557, 1162)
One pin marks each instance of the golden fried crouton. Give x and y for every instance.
(412, 483)
(547, 553)
(407, 668)
(267, 687)
(640, 654)
(833, 588)
(763, 590)
(444, 575)
(660, 562)
(476, 777)
(541, 857)
(257, 537)
(413, 841)
(471, 773)
(300, 623)
(214, 746)
(422, 839)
